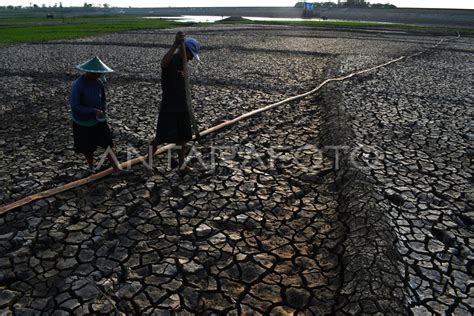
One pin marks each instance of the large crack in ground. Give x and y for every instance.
(370, 280)
(406, 194)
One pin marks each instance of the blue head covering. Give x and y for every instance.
(193, 46)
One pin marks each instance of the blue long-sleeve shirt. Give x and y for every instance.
(87, 96)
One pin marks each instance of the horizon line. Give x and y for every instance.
(215, 7)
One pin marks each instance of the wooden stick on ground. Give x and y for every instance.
(128, 164)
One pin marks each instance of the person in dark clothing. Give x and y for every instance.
(88, 106)
(174, 122)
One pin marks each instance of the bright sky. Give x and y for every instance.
(458, 4)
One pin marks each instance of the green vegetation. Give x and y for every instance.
(38, 29)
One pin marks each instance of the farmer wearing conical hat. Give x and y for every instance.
(88, 106)
(174, 119)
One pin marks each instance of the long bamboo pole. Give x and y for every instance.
(128, 164)
(188, 91)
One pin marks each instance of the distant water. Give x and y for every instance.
(215, 18)
(191, 18)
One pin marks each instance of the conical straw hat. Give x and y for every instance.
(94, 65)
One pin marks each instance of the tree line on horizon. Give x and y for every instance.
(348, 3)
(58, 5)
(327, 4)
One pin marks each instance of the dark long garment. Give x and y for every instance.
(88, 138)
(174, 124)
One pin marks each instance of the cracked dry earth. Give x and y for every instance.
(272, 227)
(414, 122)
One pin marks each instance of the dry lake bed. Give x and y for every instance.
(355, 199)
